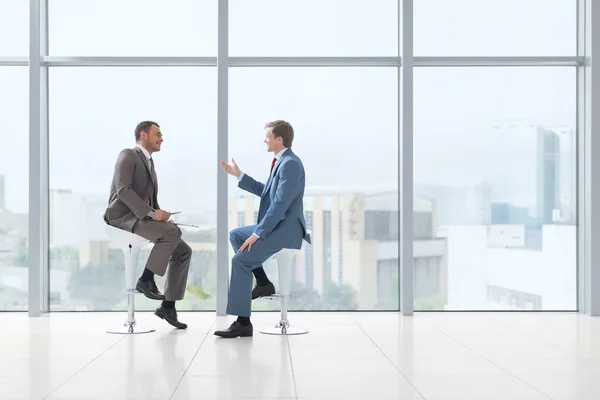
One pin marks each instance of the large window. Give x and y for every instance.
(494, 148)
(495, 27)
(300, 28)
(132, 28)
(14, 188)
(93, 114)
(346, 133)
(14, 28)
(495, 158)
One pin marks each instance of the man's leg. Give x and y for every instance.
(237, 237)
(177, 273)
(240, 287)
(168, 247)
(166, 237)
(175, 284)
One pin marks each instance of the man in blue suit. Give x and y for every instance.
(281, 225)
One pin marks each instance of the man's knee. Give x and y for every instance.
(238, 259)
(235, 236)
(182, 252)
(172, 233)
(185, 248)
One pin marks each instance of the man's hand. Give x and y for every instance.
(161, 215)
(231, 168)
(248, 243)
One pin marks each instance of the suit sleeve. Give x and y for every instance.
(289, 182)
(123, 181)
(251, 185)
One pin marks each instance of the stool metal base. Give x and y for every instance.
(285, 331)
(130, 330)
(130, 326)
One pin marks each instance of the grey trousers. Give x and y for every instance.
(169, 250)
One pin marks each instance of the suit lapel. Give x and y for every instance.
(144, 160)
(275, 169)
(267, 186)
(152, 188)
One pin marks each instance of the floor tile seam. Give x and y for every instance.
(495, 364)
(192, 360)
(391, 362)
(83, 367)
(287, 341)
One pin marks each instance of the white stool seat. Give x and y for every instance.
(124, 238)
(284, 258)
(130, 244)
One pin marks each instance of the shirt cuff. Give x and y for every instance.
(240, 177)
(254, 234)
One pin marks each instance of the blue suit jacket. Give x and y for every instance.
(281, 211)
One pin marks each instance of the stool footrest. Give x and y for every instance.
(284, 330)
(276, 297)
(130, 329)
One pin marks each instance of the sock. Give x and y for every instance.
(261, 277)
(245, 321)
(147, 275)
(168, 304)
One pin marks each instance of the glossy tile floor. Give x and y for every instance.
(345, 355)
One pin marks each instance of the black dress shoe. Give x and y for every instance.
(149, 290)
(236, 330)
(169, 315)
(262, 291)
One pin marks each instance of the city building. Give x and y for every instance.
(355, 243)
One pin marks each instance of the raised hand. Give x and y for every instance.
(231, 168)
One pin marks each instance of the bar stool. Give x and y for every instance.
(284, 258)
(130, 244)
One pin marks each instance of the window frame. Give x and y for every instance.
(588, 229)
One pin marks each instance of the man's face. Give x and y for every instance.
(152, 139)
(274, 144)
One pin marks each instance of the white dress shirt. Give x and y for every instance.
(146, 153)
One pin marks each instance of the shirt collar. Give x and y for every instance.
(144, 151)
(278, 155)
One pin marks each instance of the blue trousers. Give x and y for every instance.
(240, 285)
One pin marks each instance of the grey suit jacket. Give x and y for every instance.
(133, 191)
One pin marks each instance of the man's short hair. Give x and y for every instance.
(143, 126)
(283, 130)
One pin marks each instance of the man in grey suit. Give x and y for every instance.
(133, 206)
(281, 224)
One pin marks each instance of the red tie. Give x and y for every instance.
(273, 164)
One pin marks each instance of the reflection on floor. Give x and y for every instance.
(345, 355)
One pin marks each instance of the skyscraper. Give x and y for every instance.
(548, 177)
(528, 170)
